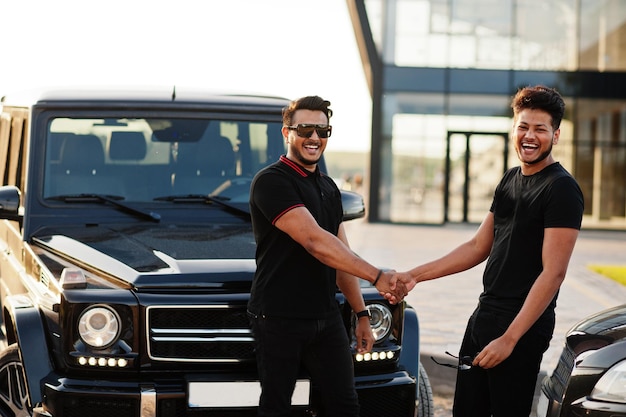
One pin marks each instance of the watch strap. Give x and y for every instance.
(363, 313)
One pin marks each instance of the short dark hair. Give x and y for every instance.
(306, 103)
(540, 97)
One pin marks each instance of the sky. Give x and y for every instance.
(289, 48)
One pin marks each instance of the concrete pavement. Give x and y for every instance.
(445, 304)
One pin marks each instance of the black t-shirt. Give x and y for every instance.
(290, 282)
(523, 206)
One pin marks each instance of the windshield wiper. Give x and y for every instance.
(220, 201)
(111, 199)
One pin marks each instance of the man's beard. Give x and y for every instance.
(302, 158)
(306, 161)
(540, 158)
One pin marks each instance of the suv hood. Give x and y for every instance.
(604, 332)
(148, 256)
(610, 324)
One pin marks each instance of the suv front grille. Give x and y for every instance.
(219, 334)
(563, 370)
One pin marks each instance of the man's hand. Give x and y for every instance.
(391, 286)
(405, 279)
(494, 353)
(399, 284)
(364, 335)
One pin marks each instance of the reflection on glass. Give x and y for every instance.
(516, 34)
(140, 159)
(476, 165)
(601, 35)
(486, 166)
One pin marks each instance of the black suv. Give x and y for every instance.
(126, 257)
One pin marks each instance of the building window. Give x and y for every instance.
(602, 35)
(483, 34)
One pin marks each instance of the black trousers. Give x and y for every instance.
(507, 389)
(285, 346)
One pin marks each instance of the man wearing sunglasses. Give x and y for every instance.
(527, 239)
(302, 257)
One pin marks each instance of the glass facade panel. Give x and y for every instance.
(487, 156)
(603, 35)
(417, 159)
(480, 105)
(476, 164)
(480, 32)
(545, 35)
(456, 154)
(600, 160)
(412, 158)
(418, 36)
(522, 34)
(459, 33)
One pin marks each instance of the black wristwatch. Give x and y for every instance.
(364, 313)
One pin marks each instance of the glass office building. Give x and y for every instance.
(442, 74)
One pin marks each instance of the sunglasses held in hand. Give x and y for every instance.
(306, 130)
(464, 364)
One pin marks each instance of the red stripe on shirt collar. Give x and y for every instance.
(294, 166)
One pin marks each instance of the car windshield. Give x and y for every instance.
(142, 159)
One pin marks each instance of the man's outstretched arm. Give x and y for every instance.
(300, 225)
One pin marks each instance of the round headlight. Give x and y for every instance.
(380, 320)
(99, 326)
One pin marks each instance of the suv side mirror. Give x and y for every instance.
(10, 197)
(353, 205)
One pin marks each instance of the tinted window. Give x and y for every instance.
(141, 159)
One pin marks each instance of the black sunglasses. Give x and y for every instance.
(306, 130)
(465, 363)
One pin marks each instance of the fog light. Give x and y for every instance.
(108, 362)
(374, 356)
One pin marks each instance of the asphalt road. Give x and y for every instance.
(443, 405)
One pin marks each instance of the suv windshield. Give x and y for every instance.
(143, 159)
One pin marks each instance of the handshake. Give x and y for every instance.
(394, 286)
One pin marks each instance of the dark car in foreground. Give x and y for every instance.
(127, 255)
(590, 377)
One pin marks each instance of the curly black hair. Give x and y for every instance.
(540, 97)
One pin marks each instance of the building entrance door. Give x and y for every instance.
(475, 162)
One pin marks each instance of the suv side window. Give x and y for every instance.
(12, 148)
